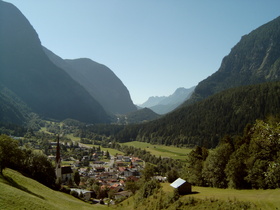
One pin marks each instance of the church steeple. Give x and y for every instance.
(58, 160)
(57, 152)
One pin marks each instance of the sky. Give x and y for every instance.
(153, 46)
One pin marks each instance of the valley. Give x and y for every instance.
(71, 137)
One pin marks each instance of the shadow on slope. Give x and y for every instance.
(8, 180)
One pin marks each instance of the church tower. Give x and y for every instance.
(58, 160)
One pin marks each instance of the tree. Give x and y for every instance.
(172, 175)
(77, 178)
(8, 152)
(236, 169)
(148, 172)
(215, 164)
(107, 155)
(264, 154)
(132, 186)
(194, 166)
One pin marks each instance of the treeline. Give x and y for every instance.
(12, 129)
(32, 164)
(206, 122)
(241, 162)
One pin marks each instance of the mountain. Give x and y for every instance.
(245, 88)
(13, 110)
(254, 59)
(152, 101)
(31, 76)
(102, 84)
(205, 122)
(165, 104)
(139, 116)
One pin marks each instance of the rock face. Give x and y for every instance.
(99, 81)
(30, 75)
(255, 59)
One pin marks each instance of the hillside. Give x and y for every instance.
(20, 192)
(165, 104)
(141, 115)
(205, 122)
(99, 81)
(32, 77)
(254, 59)
(13, 110)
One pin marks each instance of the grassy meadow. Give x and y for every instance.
(263, 199)
(211, 198)
(161, 150)
(20, 192)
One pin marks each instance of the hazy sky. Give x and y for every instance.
(153, 46)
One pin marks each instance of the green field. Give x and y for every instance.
(72, 137)
(214, 198)
(161, 150)
(20, 192)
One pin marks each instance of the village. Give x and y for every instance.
(96, 176)
(101, 175)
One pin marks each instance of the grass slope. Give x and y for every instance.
(211, 198)
(20, 192)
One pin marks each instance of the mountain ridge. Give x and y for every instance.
(28, 73)
(254, 59)
(100, 81)
(165, 104)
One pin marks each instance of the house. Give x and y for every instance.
(183, 186)
(66, 173)
(131, 172)
(160, 178)
(86, 194)
(123, 194)
(126, 159)
(99, 169)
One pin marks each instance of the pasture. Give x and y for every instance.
(161, 150)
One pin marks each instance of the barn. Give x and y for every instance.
(183, 186)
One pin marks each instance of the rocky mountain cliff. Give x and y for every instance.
(31, 76)
(99, 81)
(254, 59)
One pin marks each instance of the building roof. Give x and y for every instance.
(66, 170)
(177, 183)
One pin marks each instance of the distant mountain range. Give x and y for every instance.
(80, 89)
(165, 104)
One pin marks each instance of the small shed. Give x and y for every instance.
(183, 186)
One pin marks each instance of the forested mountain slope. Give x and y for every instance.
(254, 59)
(28, 73)
(13, 110)
(102, 84)
(141, 115)
(205, 122)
